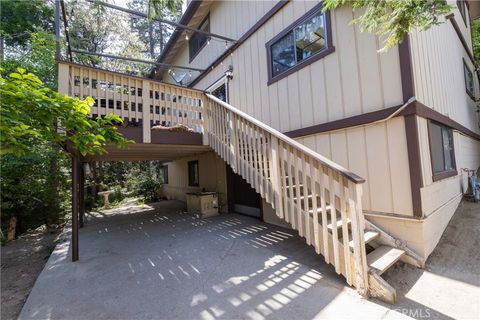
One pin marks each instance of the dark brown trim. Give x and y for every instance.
(406, 69)
(443, 175)
(414, 160)
(267, 16)
(354, 121)
(470, 94)
(75, 205)
(451, 17)
(421, 110)
(177, 138)
(302, 64)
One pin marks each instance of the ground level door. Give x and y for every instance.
(242, 198)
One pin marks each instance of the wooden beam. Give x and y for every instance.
(75, 205)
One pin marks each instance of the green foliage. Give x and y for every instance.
(476, 40)
(36, 56)
(30, 111)
(26, 189)
(20, 18)
(393, 18)
(156, 8)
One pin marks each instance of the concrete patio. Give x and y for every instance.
(157, 262)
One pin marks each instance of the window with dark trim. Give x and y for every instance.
(442, 152)
(199, 40)
(462, 7)
(193, 174)
(303, 42)
(164, 174)
(468, 77)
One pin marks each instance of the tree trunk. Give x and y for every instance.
(12, 227)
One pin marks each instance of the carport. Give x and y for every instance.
(157, 261)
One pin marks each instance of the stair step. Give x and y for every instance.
(339, 224)
(319, 209)
(367, 237)
(383, 258)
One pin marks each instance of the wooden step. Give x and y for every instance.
(383, 258)
(339, 224)
(367, 237)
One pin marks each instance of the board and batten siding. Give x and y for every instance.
(437, 59)
(353, 80)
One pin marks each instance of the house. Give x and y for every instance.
(302, 122)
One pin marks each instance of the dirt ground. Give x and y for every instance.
(449, 286)
(22, 261)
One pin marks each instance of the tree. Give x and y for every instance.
(20, 18)
(30, 111)
(394, 18)
(152, 33)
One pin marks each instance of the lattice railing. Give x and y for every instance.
(138, 101)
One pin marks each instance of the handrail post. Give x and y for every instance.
(358, 227)
(232, 127)
(275, 175)
(147, 134)
(206, 120)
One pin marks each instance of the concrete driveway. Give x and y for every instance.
(158, 262)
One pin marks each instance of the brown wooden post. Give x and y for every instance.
(75, 205)
(81, 195)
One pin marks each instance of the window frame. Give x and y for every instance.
(164, 170)
(464, 11)
(437, 176)
(466, 68)
(314, 57)
(191, 182)
(195, 54)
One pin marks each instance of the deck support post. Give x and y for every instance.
(75, 204)
(81, 192)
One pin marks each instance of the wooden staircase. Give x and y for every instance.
(315, 195)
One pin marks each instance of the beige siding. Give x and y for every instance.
(230, 19)
(467, 155)
(379, 154)
(353, 80)
(437, 57)
(212, 176)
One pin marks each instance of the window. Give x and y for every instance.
(221, 92)
(442, 152)
(305, 41)
(463, 10)
(193, 179)
(468, 75)
(164, 174)
(199, 40)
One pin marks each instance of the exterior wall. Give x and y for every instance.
(354, 79)
(378, 153)
(437, 58)
(230, 19)
(212, 177)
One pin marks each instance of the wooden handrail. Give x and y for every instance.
(343, 171)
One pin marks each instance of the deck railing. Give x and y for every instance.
(136, 100)
(318, 197)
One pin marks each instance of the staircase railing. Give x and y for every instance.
(307, 190)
